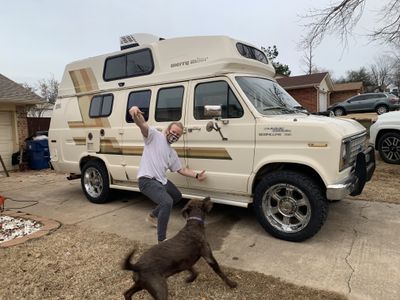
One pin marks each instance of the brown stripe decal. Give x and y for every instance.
(84, 80)
(80, 141)
(111, 146)
(207, 153)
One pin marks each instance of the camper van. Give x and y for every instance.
(246, 131)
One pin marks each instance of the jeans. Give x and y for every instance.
(166, 196)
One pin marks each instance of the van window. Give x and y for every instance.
(101, 106)
(128, 65)
(169, 104)
(216, 93)
(140, 99)
(252, 53)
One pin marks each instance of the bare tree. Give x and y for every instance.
(380, 73)
(47, 89)
(308, 57)
(395, 70)
(343, 16)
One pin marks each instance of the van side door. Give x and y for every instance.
(226, 155)
(161, 105)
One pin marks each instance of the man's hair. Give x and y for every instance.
(179, 124)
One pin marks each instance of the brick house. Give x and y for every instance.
(311, 91)
(343, 91)
(15, 101)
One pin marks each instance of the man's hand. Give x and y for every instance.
(134, 111)
(137, 116)
(202, 175)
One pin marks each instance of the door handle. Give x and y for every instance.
(191, 129)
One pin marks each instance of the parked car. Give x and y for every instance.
(368, 102)
(385, 136)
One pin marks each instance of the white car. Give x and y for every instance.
(385, 136)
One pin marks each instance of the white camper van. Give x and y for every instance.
(240, 126)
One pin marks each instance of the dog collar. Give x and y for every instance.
(196, 218)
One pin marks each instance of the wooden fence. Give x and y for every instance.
(37, 124)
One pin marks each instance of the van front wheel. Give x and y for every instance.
(290, 205)
(95, 183)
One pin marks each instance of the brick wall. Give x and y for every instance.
(340, 96)
(307, 97)
(22, 124)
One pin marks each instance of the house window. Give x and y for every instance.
(131, 64)
(101, 106)
(140, 99)
(216, 93)
(169, 104)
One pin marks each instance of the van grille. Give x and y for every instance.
(357, 144)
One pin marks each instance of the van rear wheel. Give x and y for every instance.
(95, 182)
(290, 205)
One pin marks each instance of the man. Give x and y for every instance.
(158, 156)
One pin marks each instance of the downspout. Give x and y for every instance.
(317, 88)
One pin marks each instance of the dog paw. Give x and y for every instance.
(232, 284)
(190, 279)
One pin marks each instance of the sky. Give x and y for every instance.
(39, 37)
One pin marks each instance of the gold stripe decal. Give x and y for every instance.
(111, 146)
(79, 141)
(84, 80)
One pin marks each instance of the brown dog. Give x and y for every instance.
(175, 255)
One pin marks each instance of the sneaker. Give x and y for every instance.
(152, 220)
(162, 241)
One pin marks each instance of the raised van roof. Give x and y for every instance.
(174, 60)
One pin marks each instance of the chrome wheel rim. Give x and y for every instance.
(338, 112)
(286, 208)
(391, 148)
(381, 110)
(93, 182)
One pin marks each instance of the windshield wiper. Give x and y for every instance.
(300, 109)
(273, 107)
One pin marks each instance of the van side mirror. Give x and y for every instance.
(213, 111)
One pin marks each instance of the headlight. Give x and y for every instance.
(344, 157)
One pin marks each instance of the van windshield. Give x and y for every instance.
(268, 97)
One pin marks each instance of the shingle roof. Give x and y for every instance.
(302, 80)
(12, 92)
(357, 85)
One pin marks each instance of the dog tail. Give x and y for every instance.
(128, 265)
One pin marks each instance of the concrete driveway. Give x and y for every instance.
(357, 252)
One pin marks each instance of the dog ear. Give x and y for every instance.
(207, 204)
(186, 210)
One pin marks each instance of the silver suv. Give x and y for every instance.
(368, 102)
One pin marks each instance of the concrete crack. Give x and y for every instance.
(355, 237)
(105, 213)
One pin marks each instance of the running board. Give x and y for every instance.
(216, 197)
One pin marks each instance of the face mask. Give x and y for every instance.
(172, 138)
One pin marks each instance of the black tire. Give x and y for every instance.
(95, 182)
(381, 109)
(339, 111)
(389, 147)
(298, 203)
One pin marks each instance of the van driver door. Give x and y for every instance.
(224, 147)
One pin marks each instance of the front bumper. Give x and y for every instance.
(362, 172)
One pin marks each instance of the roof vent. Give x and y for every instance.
(137, 39)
